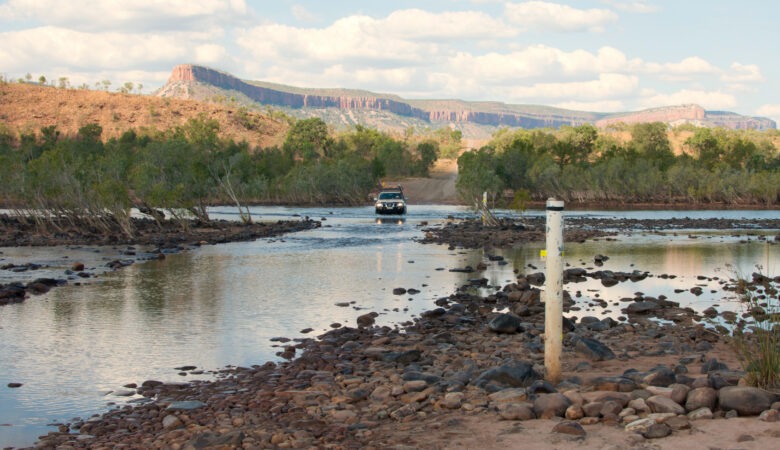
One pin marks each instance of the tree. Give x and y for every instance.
(651, 141)
(41, 79)
(307, 139)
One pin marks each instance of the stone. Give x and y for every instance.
(713, 365)
(679, 393)
(366, 320)
(506, 323)
(593, 349)
(659, 376)
(704, 397)
(170, 422)
(770, 415)
(453, 400)
(746, 400)
(657, 430)
(642, 307)
(678, 423)
(185, 405)
(513, 374)
(661, 404)
(569, 427)
(574, 412)
(517, 411)
(618, 384)
(639, 426)
(639, 405)
(700, 414)
(555, 404)
(511, 395)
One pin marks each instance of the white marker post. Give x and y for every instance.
(553, 291)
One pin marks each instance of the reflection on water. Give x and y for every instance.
(221, 305)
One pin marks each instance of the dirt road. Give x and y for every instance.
(439, 188)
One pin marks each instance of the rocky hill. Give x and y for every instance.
(475, 119)
(26, 108)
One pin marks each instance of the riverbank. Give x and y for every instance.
(461, 376)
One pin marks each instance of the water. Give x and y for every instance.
(75, 347)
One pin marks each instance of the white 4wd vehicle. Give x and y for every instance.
(391, 201)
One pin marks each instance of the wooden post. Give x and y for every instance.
(553, 292)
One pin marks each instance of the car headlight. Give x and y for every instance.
(378, 205)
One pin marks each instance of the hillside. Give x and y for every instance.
(477, 120)
(29, 107)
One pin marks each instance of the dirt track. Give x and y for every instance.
(438, 189)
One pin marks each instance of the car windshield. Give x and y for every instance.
(390, 196)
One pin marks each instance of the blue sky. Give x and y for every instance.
(597, 55)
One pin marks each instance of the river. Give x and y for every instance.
(74, 348)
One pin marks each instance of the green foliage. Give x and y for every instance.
(758, 346)
(576, 164)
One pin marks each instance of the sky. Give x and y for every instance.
(591, 55)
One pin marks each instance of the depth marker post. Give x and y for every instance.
(553, 291)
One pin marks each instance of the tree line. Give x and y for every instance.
(581, 165)
(181, 171)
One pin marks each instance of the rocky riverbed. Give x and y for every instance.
(513, 232)
(468, 373)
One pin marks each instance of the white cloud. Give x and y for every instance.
(705, 99)
(597, 106)
(419, 24)
(639, 7)
(607, 86)
(350, 39)
(558, 17)
(302, 14)
(741, 73)
(770, 110)
(693, 65)
(138, 15)
(537, 62)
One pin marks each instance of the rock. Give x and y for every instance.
(593, 349)
(639, 426)
(554, 404)
(185, 405)
(661, 404)
(232, 439)
(170, 422)
(770, 415)
(678, 423)
(516, 411)
(617, 384)
(713, 365)
(574, 412)
(660, 376)
(514, 374)
(366, 320)
(399, 291)
(704, 397)
(506, 323)
(452, 400)
(657, 430)
(512, 395)
(701, 413)
(746, 400)
(569, 427)
(642, 307)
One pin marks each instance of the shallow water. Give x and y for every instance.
(221, 305)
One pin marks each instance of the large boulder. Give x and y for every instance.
(593, 349)
(506, 323)
(745, 400)
(513, 374)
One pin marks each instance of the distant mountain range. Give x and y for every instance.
(344, 107)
